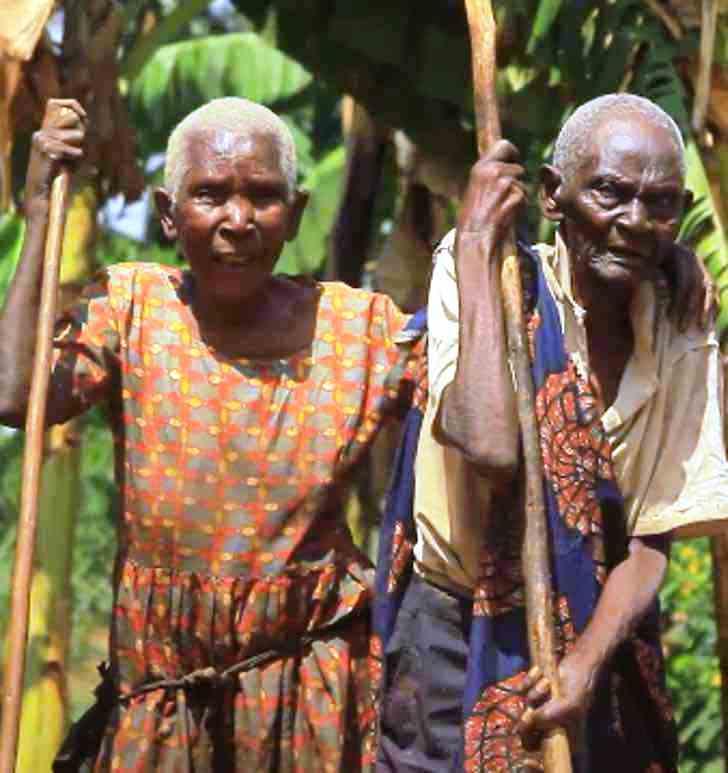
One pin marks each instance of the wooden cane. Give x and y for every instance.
(32, 463)
(536, 569)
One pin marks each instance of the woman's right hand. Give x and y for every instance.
(59, 141)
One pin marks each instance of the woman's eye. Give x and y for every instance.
(267, 196)
(666, 203)
(207, 196)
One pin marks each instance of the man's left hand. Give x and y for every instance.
(577, 682)
(693, 296)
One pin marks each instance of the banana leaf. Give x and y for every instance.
(307, 253)
(703, 229)
(12, 229)
(182, 76)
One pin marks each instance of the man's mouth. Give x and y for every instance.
(627, 255)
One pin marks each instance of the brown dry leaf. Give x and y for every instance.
(718, 102)
(21, 25)
(10, 72)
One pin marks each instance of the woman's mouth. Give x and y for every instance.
(233, 259)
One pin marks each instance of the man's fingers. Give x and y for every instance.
(502, 150)
(539, 693)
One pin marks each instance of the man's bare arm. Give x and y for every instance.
(628, 593)
(58, 142)
(478, 410)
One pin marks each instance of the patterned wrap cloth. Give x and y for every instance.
(630, 726)
(232, 540)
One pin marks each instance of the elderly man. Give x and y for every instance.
(629, 412)
(240, 401)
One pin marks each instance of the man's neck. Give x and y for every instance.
(608, 308)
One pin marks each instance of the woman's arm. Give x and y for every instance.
(58, 142)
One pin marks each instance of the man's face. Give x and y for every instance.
(233, 213)
(623, 205)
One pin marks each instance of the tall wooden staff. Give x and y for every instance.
(32, 462)
(537, 573)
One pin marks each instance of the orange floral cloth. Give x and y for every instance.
(232, 540)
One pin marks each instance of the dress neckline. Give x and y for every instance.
(184, 287)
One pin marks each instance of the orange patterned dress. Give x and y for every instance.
(232, 541)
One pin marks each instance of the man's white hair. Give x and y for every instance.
(229, 114)
(575, 142)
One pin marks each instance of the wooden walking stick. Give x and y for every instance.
(536, 570)
(32, 462)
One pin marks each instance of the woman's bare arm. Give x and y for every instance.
(58, 142)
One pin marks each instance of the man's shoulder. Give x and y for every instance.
(679, 342)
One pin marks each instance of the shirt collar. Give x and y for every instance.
(639, 380)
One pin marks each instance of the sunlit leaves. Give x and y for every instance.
(183, 76)
(308, 252)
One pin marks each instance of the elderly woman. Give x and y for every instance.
(240, 401)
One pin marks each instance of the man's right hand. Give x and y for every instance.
(477, 413)
(59, 141)
(492, 197)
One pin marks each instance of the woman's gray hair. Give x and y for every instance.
(230, 114)
(575, 142)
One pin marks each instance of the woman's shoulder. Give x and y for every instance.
(143, 271)
(135, 278)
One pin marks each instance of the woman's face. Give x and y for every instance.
(233, 213)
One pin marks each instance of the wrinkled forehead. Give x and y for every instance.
(634, 142)
(211, 146)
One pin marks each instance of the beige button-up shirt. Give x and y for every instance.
(665, 426)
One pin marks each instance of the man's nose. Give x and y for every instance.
(636, 216)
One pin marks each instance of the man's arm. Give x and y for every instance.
(628, 593)
(478, 411)
(58, 142)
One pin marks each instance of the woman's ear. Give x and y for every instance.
(295, 213)
(165, 209)
(548, 193)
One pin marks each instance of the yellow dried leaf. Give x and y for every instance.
(21, 25)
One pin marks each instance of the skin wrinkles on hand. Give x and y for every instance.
(488, 439)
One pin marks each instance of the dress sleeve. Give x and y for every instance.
(688, 487)
(443, 319)
(86, 349)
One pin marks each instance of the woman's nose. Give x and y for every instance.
(239, 215)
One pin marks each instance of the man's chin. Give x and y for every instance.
(617, 269)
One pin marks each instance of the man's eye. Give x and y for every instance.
(607, 192)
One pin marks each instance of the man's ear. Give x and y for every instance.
(548, 193)
(295, 213)
(165, 209)
(687, 201)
